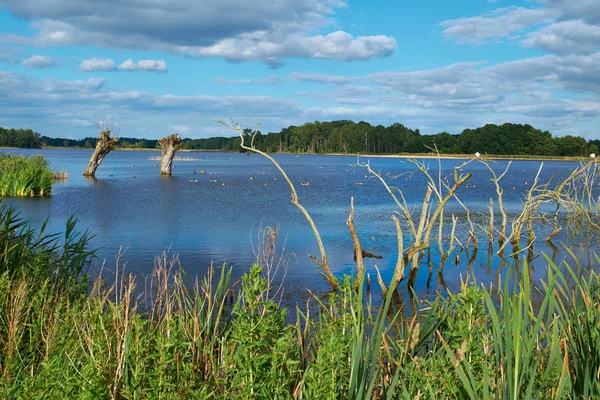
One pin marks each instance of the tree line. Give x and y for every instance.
(351, 137)
(23, 138)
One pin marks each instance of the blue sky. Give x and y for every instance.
(164, 66)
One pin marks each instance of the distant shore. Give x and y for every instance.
(399, 155)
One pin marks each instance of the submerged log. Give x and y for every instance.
(104, 145)
(169, 145)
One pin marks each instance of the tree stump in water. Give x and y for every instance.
(104, 145)
(169, 145)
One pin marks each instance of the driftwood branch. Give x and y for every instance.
(325, 271)
(358, 254)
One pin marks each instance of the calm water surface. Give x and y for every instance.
(131, 206)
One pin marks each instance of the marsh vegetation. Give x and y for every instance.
(23, 176)
(217, 338)
(171, 335)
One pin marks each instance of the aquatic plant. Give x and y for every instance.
(24, 176)
(220, 339)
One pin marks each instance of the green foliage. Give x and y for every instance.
(261, 358)
(24, 176)
(25, 251)
(350, 137)
(213, 340)
(23, 138)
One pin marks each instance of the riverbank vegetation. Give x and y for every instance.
(161, 338)
(25, 176)
(348, 137)
(63, 335)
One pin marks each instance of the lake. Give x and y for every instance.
(130, 206)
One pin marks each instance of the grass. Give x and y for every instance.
(62, 336)
(25, 176)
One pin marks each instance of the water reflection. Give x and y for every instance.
(206, 222)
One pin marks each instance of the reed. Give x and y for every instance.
(24, 176)
(61, 175)
(220, 339)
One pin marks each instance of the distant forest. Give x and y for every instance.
(351, 137)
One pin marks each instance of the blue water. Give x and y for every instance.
(131, 207)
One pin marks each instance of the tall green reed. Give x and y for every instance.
(165, 338)
(24, 176)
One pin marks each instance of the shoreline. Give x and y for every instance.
(399, 156)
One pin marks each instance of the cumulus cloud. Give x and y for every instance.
(270, 47)
(501, 23)
(449, 98)
(107, 64)
(143, 65)
(97, 64)
(51, 104)
(561, 26)
(38, 62)
(566, 37)
(522, 90)
(237, 31)
(586, 10)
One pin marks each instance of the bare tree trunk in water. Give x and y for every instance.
(169, 145)
(104, 145)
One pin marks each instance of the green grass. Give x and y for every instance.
(24, 176)
(216, 339)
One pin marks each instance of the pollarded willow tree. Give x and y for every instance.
(169, 145)
(104, 145)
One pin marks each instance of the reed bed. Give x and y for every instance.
(218, 339)
(25, 176)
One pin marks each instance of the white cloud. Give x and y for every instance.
(270, 47)
(238, 31)
(501, 23)
(587, 10)
(107, 64)
(38, 62)
(97, 64)
(566, 37)
(530, 90)
(143, 65)
(560, 93)
(50, 105)
(561, 27)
